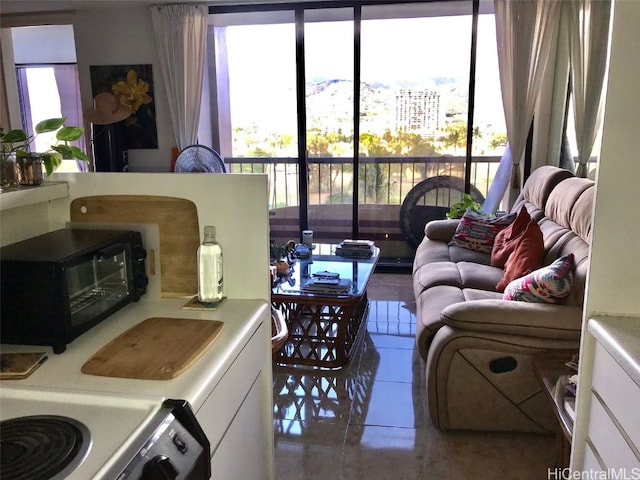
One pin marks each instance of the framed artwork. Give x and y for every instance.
(130, 88)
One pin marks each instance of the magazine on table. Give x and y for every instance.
(327, 285)
(356, 248)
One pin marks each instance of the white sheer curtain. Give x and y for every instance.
(70, 103)
(180, 35)
(525, 33)
(589, 34)
(550, 112)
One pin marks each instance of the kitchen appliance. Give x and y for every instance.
(83, 436)
(56, 286)
(175, 447)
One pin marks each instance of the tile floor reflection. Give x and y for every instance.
(369, 420)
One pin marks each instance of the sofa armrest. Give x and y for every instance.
(441, 230)
(542, 320)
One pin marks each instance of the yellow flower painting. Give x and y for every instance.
(133, 92)
(132, 85)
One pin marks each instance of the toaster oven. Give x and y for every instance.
(58, 285)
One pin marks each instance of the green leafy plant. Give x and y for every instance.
(18, 142)
(458, 209)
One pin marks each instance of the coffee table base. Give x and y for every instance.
(322, 331)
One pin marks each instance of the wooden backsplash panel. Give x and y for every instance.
(177, 221)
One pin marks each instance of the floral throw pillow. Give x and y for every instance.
(550, 284)
(477, 231)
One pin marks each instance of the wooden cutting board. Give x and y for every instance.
(20, 365)
(158, 348)
(177, 220)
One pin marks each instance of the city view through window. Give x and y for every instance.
(414, 107)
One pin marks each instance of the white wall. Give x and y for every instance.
(613, 284)
(235, 203)
(44, 44)
(614, 279)
(124, 36)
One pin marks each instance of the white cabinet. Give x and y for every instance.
(241, 453)
(233, 416)
(613, 434)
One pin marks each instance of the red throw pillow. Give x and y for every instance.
(526, 257)
(507, 239)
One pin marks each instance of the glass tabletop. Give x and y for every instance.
(355, 271)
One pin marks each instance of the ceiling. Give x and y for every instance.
(24, 6)
(32, 6)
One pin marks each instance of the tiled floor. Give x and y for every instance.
(370, 421)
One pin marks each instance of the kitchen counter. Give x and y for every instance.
(619, 337)
(228, 388)
(608, 397)
(62, 372)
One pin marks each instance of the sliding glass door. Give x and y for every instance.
(329, 98)
(366, 117)
(254, 106)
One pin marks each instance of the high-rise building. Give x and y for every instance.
(417, 110)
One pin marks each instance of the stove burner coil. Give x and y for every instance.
(41, 446)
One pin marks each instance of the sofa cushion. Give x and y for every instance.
(581, 215)
(459, 254)
(477, 231)
(561, 201)
(442, 230)
(507, 239)
(515, 318)
(526, 257)
(432, 301)
(457, 274)
(538, 187)
(550, 284)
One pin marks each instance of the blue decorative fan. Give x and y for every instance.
(199, 158)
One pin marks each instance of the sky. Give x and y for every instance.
(394, 52)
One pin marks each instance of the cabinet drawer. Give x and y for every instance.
(618, 391)
(219, 409)
(607, 440)
(591, 462)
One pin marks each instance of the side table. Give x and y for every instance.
(548, 366)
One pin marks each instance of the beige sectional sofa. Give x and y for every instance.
(477, 347)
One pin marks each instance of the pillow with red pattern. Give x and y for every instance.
(550, 284)
(506, 240)
(477, 231)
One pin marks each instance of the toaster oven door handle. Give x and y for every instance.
(111, 250)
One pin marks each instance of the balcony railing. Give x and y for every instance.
(383, 180)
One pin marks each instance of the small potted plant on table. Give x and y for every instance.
(16, 144)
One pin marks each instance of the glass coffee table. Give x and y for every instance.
(323, 326)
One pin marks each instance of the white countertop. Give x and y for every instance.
(620, 337)
(23, 196)
(62, 372)
(115, 410)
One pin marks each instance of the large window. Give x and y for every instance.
(48, 85)
(350, 108)
(50, 91)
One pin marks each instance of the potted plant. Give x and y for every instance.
(457, 209)
(7, 164)
(17, 144)
(283, 256)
